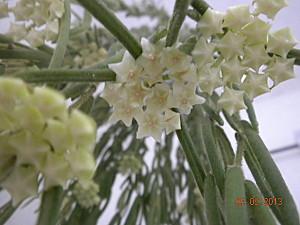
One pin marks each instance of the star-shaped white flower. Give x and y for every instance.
(281, 42)
(185, 97)
(211, 23)
(210, 79)
(150, 124)
(171, 121)
(281, 70)
(159, 98)
(127, 70)
(255, 56)
(232, 71)
(51, 30)
(125, 111)
(57, 8)
(189, 75)
(136, 93)
(112, 93)
(256, 32)
(232, 101)
(175, 60)
(231, 45)
(21, 183)
(150, 58)
(203, 52)
(255, 84)
(237, 16)
(269, 7)
(23, 11)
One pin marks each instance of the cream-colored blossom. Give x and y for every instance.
(232, 71)
(281, 70)
(237, 16)
(17, 31)
(256, 32)
(203, 52)
(231, 45)
(150, 124)
(211, 23)
(159, 98)
(127, 70)
(232, 101)
(255, 84)
(255, 56)
(189, 75)
(185, 97)
(175, 60)
(35, 38)
(112, 93)
(269, 7)
(136, 93)
(210, 79)
(281, 42)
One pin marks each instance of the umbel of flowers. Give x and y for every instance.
(40, 140)
(34, 21)
(236, 53)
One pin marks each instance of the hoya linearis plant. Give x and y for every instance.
(172, 82)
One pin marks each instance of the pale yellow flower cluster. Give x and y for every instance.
(40, 140)
(35, 21)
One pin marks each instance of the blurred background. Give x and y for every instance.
(278, 112)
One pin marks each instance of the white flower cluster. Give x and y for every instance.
(237, 49)
(41, 139)
(235, 53)
(87, 194)
(148, 88)
(34, 21)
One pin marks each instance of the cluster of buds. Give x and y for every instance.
(129, 164)
(41, 140)
(86, 194)
(235, 55)
(34, 21)
(88, 54)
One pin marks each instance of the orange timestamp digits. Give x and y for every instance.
(260, 201)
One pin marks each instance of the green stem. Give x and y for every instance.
(50, 207)
(64, 75)
(63, 38)
(295, 53)
(200, 5)
(28, 54)
(190, 152)
(251, 113)
(113, 24)
(179, 13)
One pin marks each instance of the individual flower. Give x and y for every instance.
(232, 71)
(203, 52)
(210, 79)
(150, 60)
(112, 93)
(185, 97)
(211, 23)
(281, 70)
(159, 98)
(150, 124)
(175, 60)
(136, 93)
(232, 101)
(231, 45)
(281, 42)
(17, 31)
(256, 31)
(35, 38)
(237, 16)
(255, 84)
(188, 75)
(255, 56)
(127, 70)
(269, 7)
